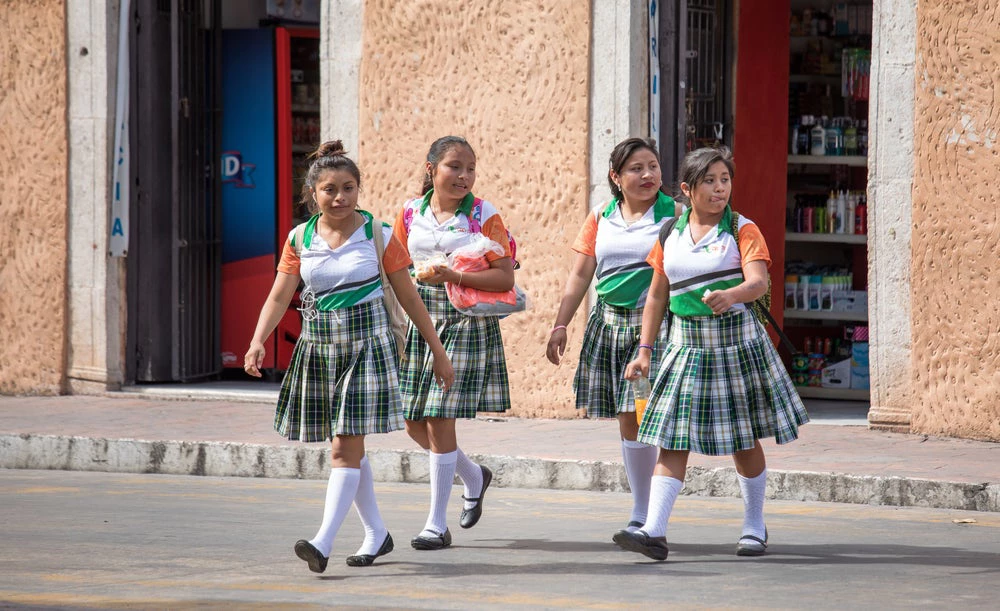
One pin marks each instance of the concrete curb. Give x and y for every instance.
(27, 451)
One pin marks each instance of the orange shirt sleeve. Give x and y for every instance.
(289, 262)
(586, 240)
(655, 258)
(399, 233)
(752, 245)
(495, 230)
(395, 257)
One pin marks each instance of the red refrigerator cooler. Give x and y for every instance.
(270, 122)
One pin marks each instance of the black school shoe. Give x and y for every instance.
(306, 551)
(368, 559)
(471, 516)
(749, 545)
(640, 542)
(438, 541)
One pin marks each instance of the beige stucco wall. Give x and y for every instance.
(956, 236)
(512, 77)
(33, 187)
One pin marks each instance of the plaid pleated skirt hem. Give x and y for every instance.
(475, 347)
(342, 378)
(720, 386)
(610, 341)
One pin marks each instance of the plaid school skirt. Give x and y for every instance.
(610, 341)
(473, 344)
(342, 378)
(720, 386)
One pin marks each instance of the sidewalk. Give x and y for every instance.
(228, 433)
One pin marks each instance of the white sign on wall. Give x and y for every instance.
(118, 234)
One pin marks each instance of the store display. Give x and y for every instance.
(826, 304)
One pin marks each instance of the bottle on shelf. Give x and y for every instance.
(841, 212)
(861, 217)
(817, 139)
(831, 213)
(851, 138)
(863, 138)
(832, 138)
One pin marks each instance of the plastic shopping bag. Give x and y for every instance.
(476, 302)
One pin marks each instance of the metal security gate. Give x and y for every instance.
(175, 249)
(695, 50)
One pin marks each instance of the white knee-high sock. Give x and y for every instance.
(371, 518)
(340, 493)
(663, 491)
(442, 477)
(471, 475)
(640, 459)
(753, 489)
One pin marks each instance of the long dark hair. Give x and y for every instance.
(436, 152)
(620, 154)
(328, 156)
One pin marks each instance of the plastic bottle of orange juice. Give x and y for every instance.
(640, 388)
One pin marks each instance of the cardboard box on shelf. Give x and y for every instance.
(837, 375)
(850, 301)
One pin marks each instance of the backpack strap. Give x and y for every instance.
(298, 238)
(759, 308)
(666, 228)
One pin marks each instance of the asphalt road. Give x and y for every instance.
(116, 541)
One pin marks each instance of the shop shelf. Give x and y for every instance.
(817, 392)
(822, 79)
(825, 315)
(302, 148)
(851, 160)
(829, 238)
(306, 108)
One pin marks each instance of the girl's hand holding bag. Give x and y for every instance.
(477, 302)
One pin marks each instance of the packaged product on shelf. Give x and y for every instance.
(836, 375)
(791, 292)
(815, 292)
(829, 287)
(860, 375)
(803, 300)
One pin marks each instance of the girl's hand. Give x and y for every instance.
(442, 274)
(638, 367)
(719, 301)
(557, 346)
(254, 359)
(443, 372)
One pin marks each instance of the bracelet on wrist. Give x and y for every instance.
(646, 346)
(556, 328)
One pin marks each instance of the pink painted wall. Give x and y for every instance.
(511, 76)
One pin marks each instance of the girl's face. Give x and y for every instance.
(711, 195)
(336, 193)
(455, 174)
(640, 177)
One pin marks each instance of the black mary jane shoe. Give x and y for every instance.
(471, 516)
(368, 559)
(438, 541)
(749, 545)
(640, 542)
(306, 551)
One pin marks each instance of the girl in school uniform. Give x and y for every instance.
(615, 239)
(446, 217)
(342, 381)
(721, 385)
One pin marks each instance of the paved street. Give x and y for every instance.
(103, 540)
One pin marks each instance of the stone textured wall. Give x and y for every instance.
(511, 76)
(956, 229)
(33, 188)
